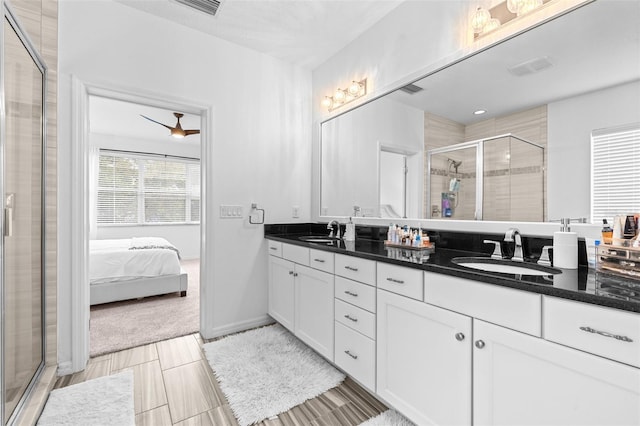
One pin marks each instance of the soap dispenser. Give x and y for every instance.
(565, 247)
(350, 231)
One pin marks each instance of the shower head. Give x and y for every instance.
(454, 163)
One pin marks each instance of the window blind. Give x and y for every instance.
(139, 189)
(615, 168)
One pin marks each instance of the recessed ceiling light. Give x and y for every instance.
(479, 112)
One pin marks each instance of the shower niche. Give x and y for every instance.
(496, 178)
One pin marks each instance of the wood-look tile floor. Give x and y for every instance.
(174, 385)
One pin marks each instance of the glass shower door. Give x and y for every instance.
(22, 192)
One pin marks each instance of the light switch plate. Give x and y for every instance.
(231, 212)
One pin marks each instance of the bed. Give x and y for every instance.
(132, 268)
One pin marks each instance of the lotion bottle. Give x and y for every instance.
(350, 231)
(565, 247)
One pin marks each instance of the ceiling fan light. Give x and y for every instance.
(177, 133)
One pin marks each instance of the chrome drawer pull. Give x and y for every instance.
(273, 248)
(351, 268)
(351, 318)
(290, 272)
(605, 334)
(350, 293)
(319, 260)
(393, 280)
(351, 355)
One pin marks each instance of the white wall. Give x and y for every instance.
(260, 138)
(570, 123)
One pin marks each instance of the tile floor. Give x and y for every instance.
(174, 385)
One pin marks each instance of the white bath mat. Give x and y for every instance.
(104, 401)
(388, 418)
(267, 371)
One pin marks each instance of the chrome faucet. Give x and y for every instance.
(514, 235)
(331, 225)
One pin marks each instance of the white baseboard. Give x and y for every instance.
(65, 368)
(236, 327)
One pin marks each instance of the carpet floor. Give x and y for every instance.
(127, 324)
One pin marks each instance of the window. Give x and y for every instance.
(142, 190)
(615, 168)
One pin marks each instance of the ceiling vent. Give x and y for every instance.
(411, 88)
(210, 7)
(531, 66)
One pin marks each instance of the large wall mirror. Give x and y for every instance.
(422, 151)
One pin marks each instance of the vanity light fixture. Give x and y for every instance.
(343, 96)
(500, 14)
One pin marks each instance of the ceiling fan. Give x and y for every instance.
(177, 131)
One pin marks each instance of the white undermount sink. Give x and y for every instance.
(505, 266)
(318, 239)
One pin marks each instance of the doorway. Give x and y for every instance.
(144, 216)
(80, 202)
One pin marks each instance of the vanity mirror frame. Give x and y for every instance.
(317, 212)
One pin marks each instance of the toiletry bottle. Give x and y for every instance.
(565, 247)
(390, 233)
(350, 231)
(607, 232)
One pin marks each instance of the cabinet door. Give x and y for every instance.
(281, 292)
(520, 379)
(424, 360)
(314, 309)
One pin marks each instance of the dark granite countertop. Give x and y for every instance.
(575, 284)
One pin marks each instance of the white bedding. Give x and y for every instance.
(112, 260)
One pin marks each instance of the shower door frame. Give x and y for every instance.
(11, 17)
(478, 145)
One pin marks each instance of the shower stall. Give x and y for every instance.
(496, 178)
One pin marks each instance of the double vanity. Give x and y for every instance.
(444, 343)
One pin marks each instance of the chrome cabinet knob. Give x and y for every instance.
(479, 344)
(459, 337)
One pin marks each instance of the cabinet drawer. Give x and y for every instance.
(274, 248)
(354, 268)
(601, 331)
(356, 293)
(296, 254)
(356, 318)
(356, 354)
(515, 309)
(322, 260)
(400, 280)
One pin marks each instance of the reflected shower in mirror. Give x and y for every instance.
(551, 86)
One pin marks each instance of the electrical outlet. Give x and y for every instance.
(231, 212)
(295, 212)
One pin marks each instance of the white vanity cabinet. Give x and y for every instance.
(355, 323)
(281, 291)
(521, 379)
(313, 324)
(301, 298)
(424, 360)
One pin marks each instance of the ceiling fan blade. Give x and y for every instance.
(191, 132)
(162, 124)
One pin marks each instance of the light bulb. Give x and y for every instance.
(339, 96)
(479, 19)
(514, 6)
(327, 102)
(527, 6)
(354, 88)
(491, 25)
